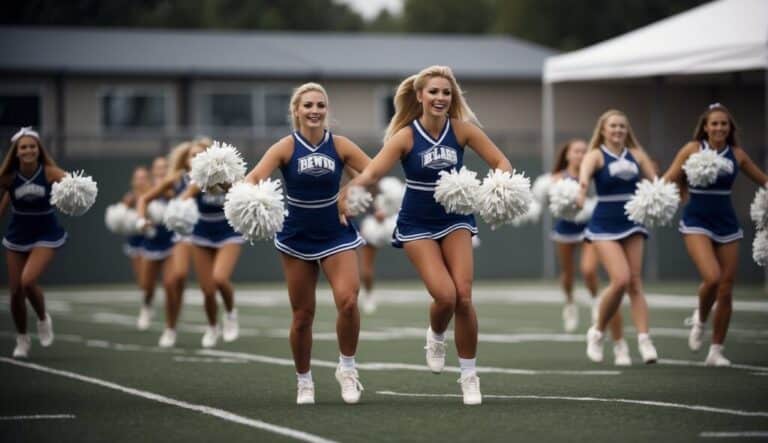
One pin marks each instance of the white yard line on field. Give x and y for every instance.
(203, 409)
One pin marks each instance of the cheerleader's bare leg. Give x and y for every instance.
(301, 280)
(457, 252)
(15, 261)
(343, 276)
(203, 259)
(728, 256)
(427, 257)
(702, 253)
(224, 264)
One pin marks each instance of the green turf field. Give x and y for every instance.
(104, 381)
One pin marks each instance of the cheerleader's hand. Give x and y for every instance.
(143, 225)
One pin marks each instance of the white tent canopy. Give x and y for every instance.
(722, 36)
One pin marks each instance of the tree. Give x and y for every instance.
(443, 16)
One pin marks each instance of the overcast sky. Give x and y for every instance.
(370, 8)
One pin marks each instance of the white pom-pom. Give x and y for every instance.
(390, 196)
(377, 233)
(457, 191)
(255, 211)
(130, 222)
(181, 216)
(219, 165)
(540, 187)
(758, 210)
(532, 215)
(586, 211)
(156, 211)
(703, 167)
(358, 200)
(114, 216)
(760, 247)
(503, 197)
(654, 203)
(74, 194)
(563, 199)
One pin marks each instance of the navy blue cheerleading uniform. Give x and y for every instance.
(312, 229)
(709, 210)
(420, 216)
(134, 245)
(615, 183)
(212, 229)
(160, 245)
(33, 221)
(566, 231)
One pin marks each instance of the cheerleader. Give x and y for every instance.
(312, 160)
(710, 227)
(134, 246)
(568, 236)
(33, 235)
(615, 161)
(431, 126)
(215, 250)
(176, 266)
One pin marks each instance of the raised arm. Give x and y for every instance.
(476, 139)
(158, 190)
(749, 167)
(675, 171)
(276, 156)
(354, 158)
(54, 174)
(390, 153)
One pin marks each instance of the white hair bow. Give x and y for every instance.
(26, 130)
(715, 105)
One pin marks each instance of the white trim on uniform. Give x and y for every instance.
(436, 236)
(204, 242)
(428, 137)
(16, 211)
(213, 216)
(684, 229)
(31, 179)
(132, 251)
(312, 204)
(566, 238)
(155, 255)
(614, 198)
(589, 235)
(357, 242)
(309, 145)
(620, 156)
(710, 191)
(38, 244)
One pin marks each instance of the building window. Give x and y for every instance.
(276, 113)
(128, 109)
(224, 110)
(388, 108)
(19, 110)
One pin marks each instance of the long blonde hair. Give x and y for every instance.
(177, 159)
(293, 105)
(408, 108)
(11, 160)
(597, 135)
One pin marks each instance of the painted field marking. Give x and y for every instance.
(207, 360)
(661, 404)
(735, 434)
(37, 417)
(671, 362)
(396, 366)
(207, 410)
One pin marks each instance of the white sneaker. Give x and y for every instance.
(716, 357)
(145, 318)
(230, 326)
(305, 392)
(595, 345)
(435, 353)
(211, 337)
(470, 389)
(351, 388)
(23, 343)
(570, 317)
(369, 304)
(621, 354)
(45, 331)
(697, 330)
(167, 339)
(647, 350)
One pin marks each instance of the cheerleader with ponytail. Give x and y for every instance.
(35, 184)
(711, 232)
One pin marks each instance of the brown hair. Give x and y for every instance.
(699, 134)
(408, 108)
(177, 159)
(597, 135)
(561, 161)
(11, 160)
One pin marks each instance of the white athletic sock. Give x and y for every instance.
(467, 366)
(435, 336)
(643, 336)
(347, 362)
(305, 376)
(715, 348)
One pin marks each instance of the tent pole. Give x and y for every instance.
(547, 160)
(657, 142)
(765, 149)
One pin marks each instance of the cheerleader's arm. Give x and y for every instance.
(5, 200)
(591, 162)
(276, 156)
(160, 189)
(749, 167)
(483, 145)
(675, 173)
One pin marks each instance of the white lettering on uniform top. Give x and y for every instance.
(439, 157)
(316, 165)
(29, 191)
